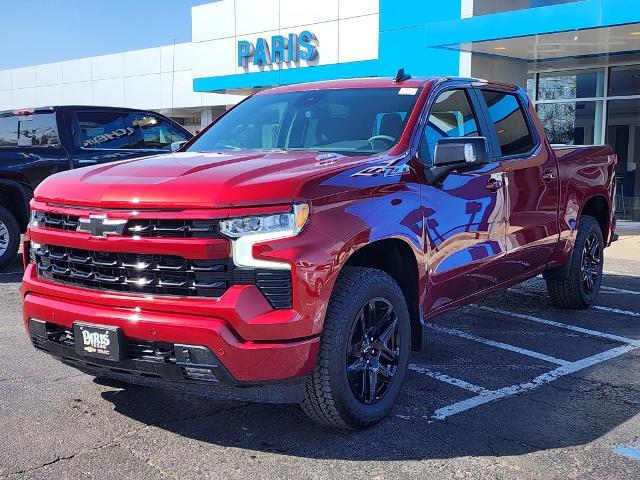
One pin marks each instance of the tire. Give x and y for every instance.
(580, 289)
(340, 399)
(9, 238)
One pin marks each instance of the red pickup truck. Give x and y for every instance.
(292, 250)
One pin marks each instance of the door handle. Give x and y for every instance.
(494, 185)
(548, 176)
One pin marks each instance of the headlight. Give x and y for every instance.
(36, 217)
(248, 231)
(290, 223)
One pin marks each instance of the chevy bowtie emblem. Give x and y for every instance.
(100, 226)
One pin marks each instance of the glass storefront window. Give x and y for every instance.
(571, 84)
(572, 123)
(572, 104)
(624, 81)
(623, 134)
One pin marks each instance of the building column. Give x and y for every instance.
(206, 117)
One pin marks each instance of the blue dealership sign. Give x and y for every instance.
(279, 50)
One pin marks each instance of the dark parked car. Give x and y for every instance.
(37, 143)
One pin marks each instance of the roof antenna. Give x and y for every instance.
(401, 76)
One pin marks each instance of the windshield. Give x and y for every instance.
(349, 121)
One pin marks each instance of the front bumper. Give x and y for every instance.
(234, 361)
(165, 366)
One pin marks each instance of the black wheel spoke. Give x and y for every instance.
(384, 371)
(389, 331)
(388, 354)
(356, 366)
(373, 351)
(372, 383)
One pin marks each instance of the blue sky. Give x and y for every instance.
(42, 31)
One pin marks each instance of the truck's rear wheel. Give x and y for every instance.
(580, 289)
(9, 238)
(364, 351)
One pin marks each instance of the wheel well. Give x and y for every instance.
(13, 200)
(598, 208)
(396, 258)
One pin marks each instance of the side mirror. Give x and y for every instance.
(456, 154)
(460, 151)
(175, 146)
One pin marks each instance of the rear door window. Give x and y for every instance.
(37, 130)
(9, 131)
(104, 130)
(510, 122)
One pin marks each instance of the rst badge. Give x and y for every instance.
(100, 226)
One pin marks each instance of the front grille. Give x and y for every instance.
(134, 272)
(174, 228)
(139, 227)
(157, 274)
(56, 220)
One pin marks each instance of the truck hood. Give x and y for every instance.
(192, 180)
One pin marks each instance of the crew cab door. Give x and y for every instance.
(531, 181)
(463, 210)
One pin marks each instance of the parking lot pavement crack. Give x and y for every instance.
(118, 441)
(38, 467)
(113, 442)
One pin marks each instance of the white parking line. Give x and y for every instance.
(538, 381)
(628, 313)
(619, 290)
(447, 379)
(566, 326)
(493, 343)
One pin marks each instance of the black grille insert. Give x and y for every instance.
(134, 272)
(174, 228)
(56, 220)
(139, 227)
(157, 274)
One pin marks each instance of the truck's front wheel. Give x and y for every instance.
(364, 351)
(9, 238)
(580, 288)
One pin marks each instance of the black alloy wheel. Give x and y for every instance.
(373, 351)
(578, 285)
(364, 351)
(590, 264)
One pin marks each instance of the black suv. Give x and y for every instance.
(37, 143)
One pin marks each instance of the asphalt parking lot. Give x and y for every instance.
(508, 388)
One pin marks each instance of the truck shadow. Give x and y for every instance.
(13, 272)
(574, 410)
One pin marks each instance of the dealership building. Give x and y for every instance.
(579, 60)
